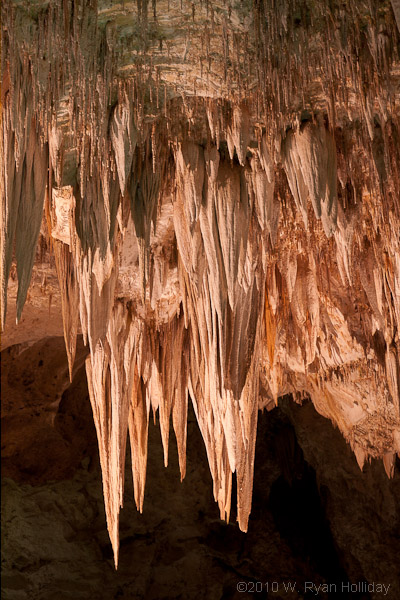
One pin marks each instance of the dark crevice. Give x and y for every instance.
(297, 505)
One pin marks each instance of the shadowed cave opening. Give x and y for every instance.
(298, 512)
(315, 516)
(298, 507)
(286, 492)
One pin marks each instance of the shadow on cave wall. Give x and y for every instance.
(297, 505)
(315, 516)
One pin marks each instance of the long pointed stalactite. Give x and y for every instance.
(224, 248)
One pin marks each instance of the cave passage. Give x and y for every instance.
(298, 507)
(178, 547)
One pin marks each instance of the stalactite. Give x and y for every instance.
(62, 223)
(225, 248)
(124, 139)
(310, 163)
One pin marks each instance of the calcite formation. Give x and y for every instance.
(219, 185)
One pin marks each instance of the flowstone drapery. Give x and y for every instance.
(223, 210)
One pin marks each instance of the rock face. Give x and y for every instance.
(217, 186)
(302, 527)
(36, 390)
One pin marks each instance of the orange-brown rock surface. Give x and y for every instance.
(217, 189)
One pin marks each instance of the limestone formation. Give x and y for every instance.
(219, 185)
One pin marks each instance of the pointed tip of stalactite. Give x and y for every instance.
(228, 514)
(19, 313)
(243, 526)
(243, 520)
(389, 461)
(224, 513)
(71, 361)
(138, 501)
(116, 557)
(113, 533)
(165, 442)
(360, 456)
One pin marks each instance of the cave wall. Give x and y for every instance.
(315, 516)
(216, 190)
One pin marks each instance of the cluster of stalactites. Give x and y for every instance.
(222, 212)
(352, 46)
(244, 288)
(46, 54)
(255, 306)
(265, 294)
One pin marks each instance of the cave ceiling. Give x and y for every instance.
(209, 193)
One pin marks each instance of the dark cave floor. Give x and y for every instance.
(317, 523)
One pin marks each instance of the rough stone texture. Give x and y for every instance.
(316, 517)
(220, 184)
(352, 502)
(43, 413)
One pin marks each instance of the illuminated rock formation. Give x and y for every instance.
(219, 184)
